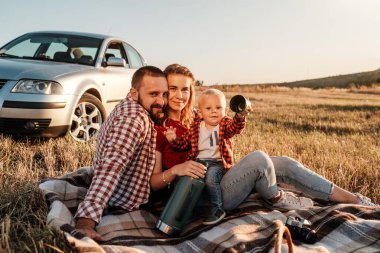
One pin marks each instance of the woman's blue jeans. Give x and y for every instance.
(258, 172)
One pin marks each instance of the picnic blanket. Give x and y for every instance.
(250, 228)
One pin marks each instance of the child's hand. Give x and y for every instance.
(170, 134)
(243, 114)
(246, 112)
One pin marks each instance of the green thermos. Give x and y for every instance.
(180, 206)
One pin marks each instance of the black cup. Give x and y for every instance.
(239, 103)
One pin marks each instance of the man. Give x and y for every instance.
(125, 151)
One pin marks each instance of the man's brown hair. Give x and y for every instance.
(145, 71)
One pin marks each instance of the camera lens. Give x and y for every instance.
(308, 236)
(305, 235)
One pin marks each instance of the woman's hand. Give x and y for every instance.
(189, 168)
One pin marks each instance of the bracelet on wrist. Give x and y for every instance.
(164, 179)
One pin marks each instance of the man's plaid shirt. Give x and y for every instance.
(124, 161)
(228, 127)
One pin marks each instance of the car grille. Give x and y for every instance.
(17, 126)
(2, 82)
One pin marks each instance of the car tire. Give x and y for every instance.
(86, 118)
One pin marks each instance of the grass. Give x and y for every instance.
(334, 132)
(22, 209)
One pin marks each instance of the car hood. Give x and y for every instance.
(15, 69)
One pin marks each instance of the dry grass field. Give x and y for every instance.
(334, 132)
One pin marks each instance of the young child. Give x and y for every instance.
(210, 140)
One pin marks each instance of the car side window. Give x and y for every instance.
(135, 60)
(115, 49)
(55, 47)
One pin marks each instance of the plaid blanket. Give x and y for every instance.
(251, 227)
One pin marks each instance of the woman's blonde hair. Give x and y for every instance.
(187, 114)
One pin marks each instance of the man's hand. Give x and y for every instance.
(170, 134)
(87, 227)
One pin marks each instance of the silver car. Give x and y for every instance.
(52, 83)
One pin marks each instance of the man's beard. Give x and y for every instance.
(158, 115)
(155, 116)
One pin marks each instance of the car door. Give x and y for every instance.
(117, 79)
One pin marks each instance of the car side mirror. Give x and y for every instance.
(115, 62)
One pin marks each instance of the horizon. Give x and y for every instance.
(311, 79)
(245, 42)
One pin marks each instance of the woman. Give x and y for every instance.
(179, 115)
(256, 172)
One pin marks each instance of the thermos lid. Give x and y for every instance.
(165, 228)
(238, 103)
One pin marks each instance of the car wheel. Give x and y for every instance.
(87, 117)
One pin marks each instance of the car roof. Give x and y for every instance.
(94, 35)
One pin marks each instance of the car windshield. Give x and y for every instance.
(54, 47)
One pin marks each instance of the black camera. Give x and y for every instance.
(300, 230)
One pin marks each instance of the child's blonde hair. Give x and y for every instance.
(212, 92)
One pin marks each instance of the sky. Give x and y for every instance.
(222, 42)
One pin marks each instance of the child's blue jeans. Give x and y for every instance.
(213, 177)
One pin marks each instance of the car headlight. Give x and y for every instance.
(38, 87)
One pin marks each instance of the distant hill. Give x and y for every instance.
(370, 79)
(341, 81)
